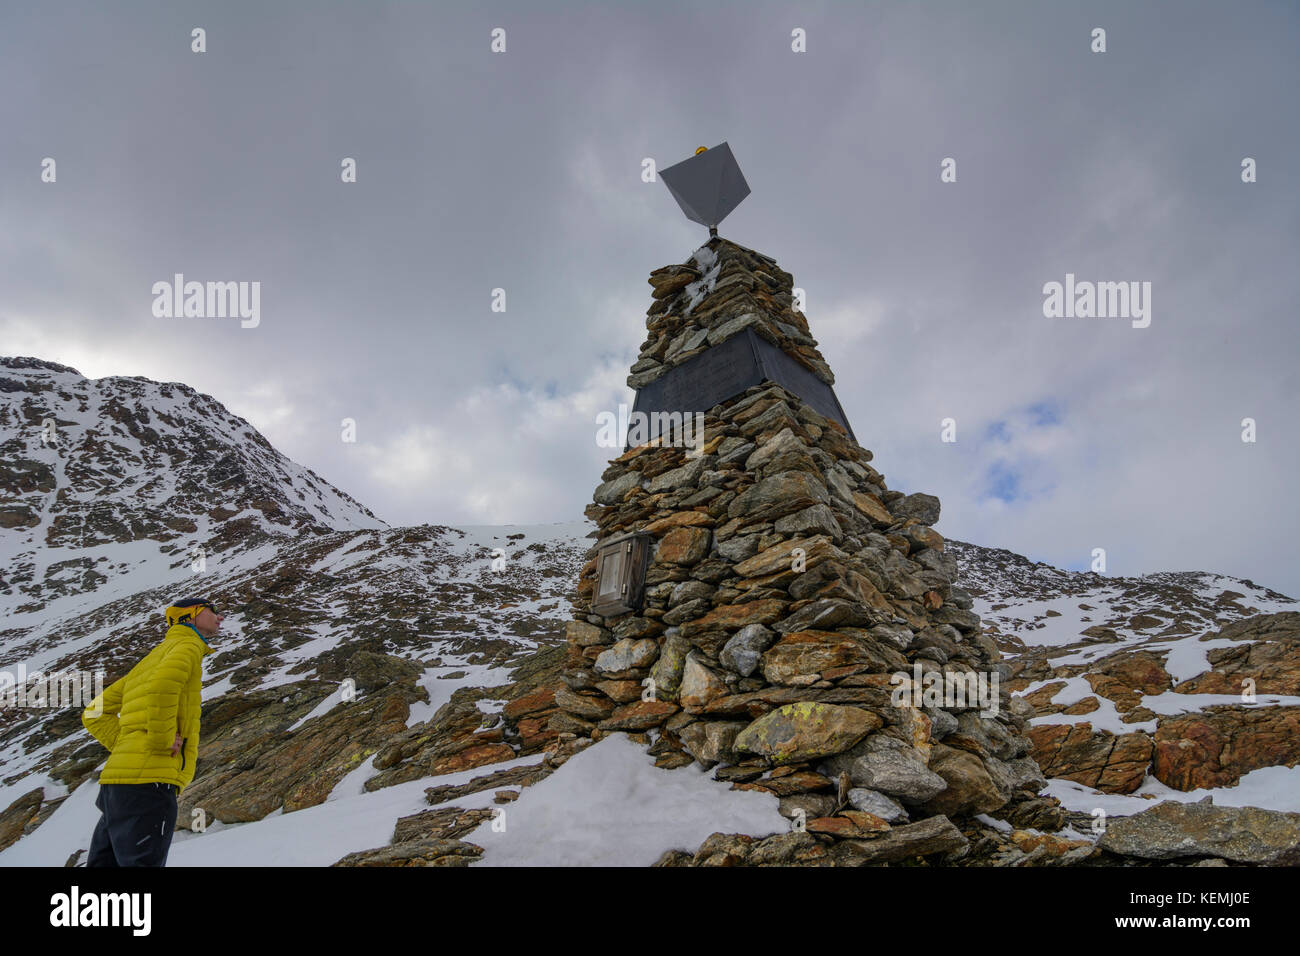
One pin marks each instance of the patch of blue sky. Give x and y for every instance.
(1044, 413)
(1002, 481)
(997, 431)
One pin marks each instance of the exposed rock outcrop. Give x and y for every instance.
(1174, 830)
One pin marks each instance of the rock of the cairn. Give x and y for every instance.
(787, 585)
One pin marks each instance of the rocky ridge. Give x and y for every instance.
(105, 481)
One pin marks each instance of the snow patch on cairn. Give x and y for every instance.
(707, 260)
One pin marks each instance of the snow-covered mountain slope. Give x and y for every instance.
(1038, 606)
(461, 604)
(127, 482)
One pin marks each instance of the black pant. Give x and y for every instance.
(136, 827)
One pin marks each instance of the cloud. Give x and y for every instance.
(456, 470)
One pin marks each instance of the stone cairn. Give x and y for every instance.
(786, 586)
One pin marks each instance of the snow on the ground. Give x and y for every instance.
(333, 561)
(1270, 788)
(1111, 605)
(323, 708)
(1170, 703)
(1028, 618)
(1105, 717)
(327, 636)
(1188, 658)
(16, 761)
(609, 805)
(348, 821)
(999, 825)
(67, 830)
(1256, 599)
(1090, 654)
(24, 785)
(57, 630)
(1074, 690)
(440, 686)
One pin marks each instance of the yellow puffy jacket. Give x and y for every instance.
(138, 717)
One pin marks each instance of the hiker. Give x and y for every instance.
(149, 721)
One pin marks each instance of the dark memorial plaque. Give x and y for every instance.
(798, 378)
(728, 369)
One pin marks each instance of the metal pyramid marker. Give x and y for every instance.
(708, 186)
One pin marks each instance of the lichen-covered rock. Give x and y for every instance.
(667, 671)
(259, 765)
(924, 508)
(590, 706)
(1215, 748)
(779, 495)
(428, 852)
(849, 824)
(586, 635)
(806, 731)
(803, 553)
(641, 715)
(738, 849)
(613, 491)
(817, 519)
(809, 654)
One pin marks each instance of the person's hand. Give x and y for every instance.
(176, 745)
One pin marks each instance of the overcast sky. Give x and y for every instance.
(522, 170)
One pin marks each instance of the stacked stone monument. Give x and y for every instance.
(792, 600)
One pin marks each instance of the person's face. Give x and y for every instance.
(208, 622)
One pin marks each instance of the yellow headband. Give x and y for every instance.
(178, 615)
